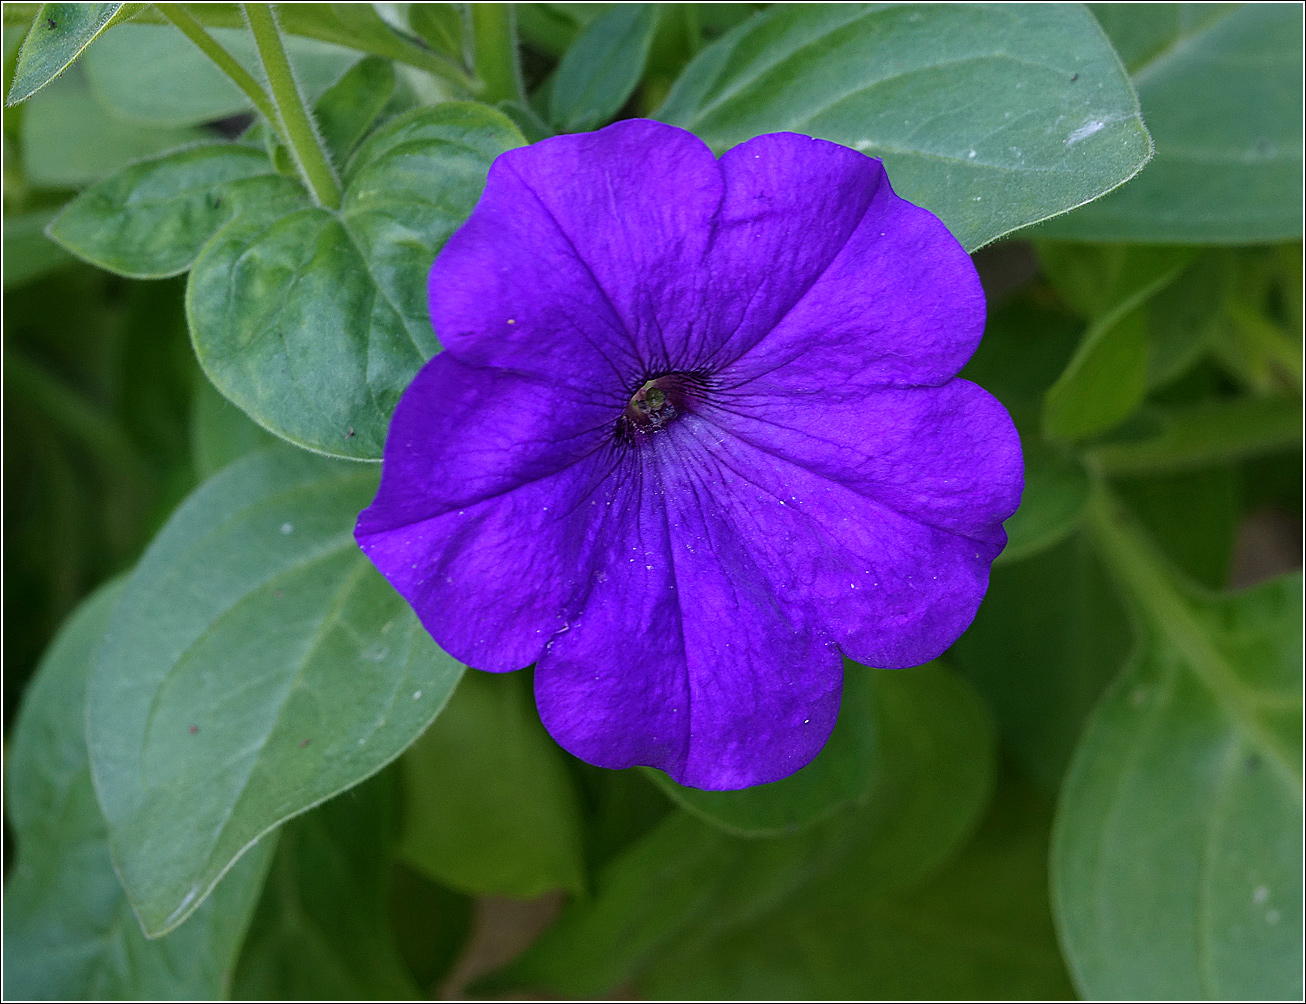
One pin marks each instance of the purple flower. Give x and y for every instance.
(695, 436)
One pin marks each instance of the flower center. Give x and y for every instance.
(657, 404)
(651, 406)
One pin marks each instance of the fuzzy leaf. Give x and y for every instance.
(69, 931)
(991, 117)
(255, 665)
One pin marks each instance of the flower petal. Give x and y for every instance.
(475, 522)
(580, 253)
(829, 488)
(791, 204)
(947, 456)
(891, 590)
(632, 250)
(899, 305)
(684, 658)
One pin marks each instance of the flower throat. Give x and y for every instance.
(657, 403)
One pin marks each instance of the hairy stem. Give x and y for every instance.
(494, 44)
(221, 58)
(296, 125)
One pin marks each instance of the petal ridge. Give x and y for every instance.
(880, 178)
(704, 716)
(868, 487)
(807, 546)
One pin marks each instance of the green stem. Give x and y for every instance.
(1169, 611)
(224, 61)
(296, 125)
(216, 15)
(1268, 342)
(1207, 434)
(1130, 556)
(494, 44)
(93, 428)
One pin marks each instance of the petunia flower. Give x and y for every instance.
(695, 435)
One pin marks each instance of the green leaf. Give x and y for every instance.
(431, 924)
(256, 665)
(525, 118)
(1192, 516)
(1176, 863)
(1184, 316)
(1056, 489)
(1260, 341)
(981, 929)
(28, 253)
(1106, 379)
(1096, 279)
(150, 220)
(1183, 312)
(322, 929)
(688, 883)
(347, 111)
(676, 41)
(154, 75)
(1024, 348)
(602, 68)
(1048, 638)
(1212, 432)
(96, 373)
(553, 27)
(489, 806)
(619, 807)
(354, 26)
(69, 932)
(938, 760)
(1142, 35)
(440, 25)
(843, 773)
(1263, 355)
(718, 18)
(645, 896)
(991, 117)
(60, 33)
(68, 141)
(220, 432)
(369, 93)
(314, 322)
(1220, 88)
